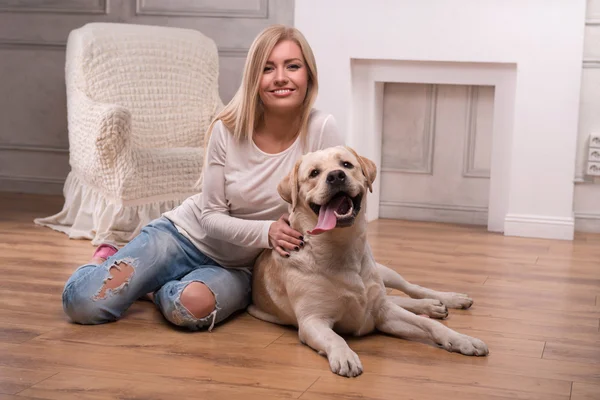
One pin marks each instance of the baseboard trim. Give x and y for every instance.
(448, 213)
(31, 184)
(539, 226)
(587, 222)
(583, 215)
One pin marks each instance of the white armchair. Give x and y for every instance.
(139, 100)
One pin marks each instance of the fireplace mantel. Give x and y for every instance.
(530, 50)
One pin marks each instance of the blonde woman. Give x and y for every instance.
(196, 260)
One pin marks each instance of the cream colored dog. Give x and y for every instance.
(334, 286)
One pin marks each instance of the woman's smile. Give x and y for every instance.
(283, 92)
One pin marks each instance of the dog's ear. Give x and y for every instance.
(368, 168)
(288, 187)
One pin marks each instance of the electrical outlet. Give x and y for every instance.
(594, 155)
(593, 168)
(595, 140)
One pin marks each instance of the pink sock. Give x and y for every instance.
(105, 250)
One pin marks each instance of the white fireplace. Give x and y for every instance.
(529, 50)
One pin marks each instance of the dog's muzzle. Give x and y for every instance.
(339, 211)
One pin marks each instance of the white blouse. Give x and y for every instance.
(229, 221)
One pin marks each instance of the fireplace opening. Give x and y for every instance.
(436, 152)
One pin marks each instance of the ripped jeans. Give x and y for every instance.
(159, 260)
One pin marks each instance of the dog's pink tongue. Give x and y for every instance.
(327, 219)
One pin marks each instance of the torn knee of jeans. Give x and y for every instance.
(182, 317)
(119, 276)
(198, 299)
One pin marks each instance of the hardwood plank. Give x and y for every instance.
(30, 318)
(23, 300)
(502, 268)
(498, 343)
(15, 380)
(163, 336)
(11, 397)
(529, 314)
(397, 358)
(192, 359)
(500, 252)
(19, 333)
(533, 330)
(573, 352)
(585, 391)
(68, 385)
(383, 387)
(564, 286)
(534, 299)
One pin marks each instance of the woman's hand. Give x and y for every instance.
(283, 238)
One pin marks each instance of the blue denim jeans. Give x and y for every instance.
(164, 262)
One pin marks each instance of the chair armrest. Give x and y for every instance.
(98, 134)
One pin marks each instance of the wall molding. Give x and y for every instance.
(586, 215)
(434, 206)
(36, 179)
(31, 44)
(426, 166)
(580, 178)
(469, 170)
(32, 184)
(233, 52)
(101, 7)
(143, 8)
(591, 63)
(30, 148)
(583, 178)
(446, 213)
(587, 222)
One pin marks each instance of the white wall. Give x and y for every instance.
(543, 38)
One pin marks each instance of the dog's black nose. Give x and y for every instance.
(336, 177)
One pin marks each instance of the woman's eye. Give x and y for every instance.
(346, 164)
(267, 69)
(293, 66)
(314, 173)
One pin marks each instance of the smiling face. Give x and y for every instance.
(329, 185)
(284, 81)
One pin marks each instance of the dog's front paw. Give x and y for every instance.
(345, 362)
(434, 309)
(466, 345)
(455, 300)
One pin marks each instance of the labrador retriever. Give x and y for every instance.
(333, 286)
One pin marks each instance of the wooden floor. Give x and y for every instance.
(536, 305)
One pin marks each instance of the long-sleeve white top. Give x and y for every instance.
(229, 220)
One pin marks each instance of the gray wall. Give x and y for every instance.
(33, 33)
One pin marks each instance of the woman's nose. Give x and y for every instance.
(281, 75)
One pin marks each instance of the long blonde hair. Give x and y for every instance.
(243, 113)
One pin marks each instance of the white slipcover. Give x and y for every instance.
(139, 100)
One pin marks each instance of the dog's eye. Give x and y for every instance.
(346, 164)
(314, 173)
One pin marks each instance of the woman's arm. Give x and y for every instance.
(215, 219)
